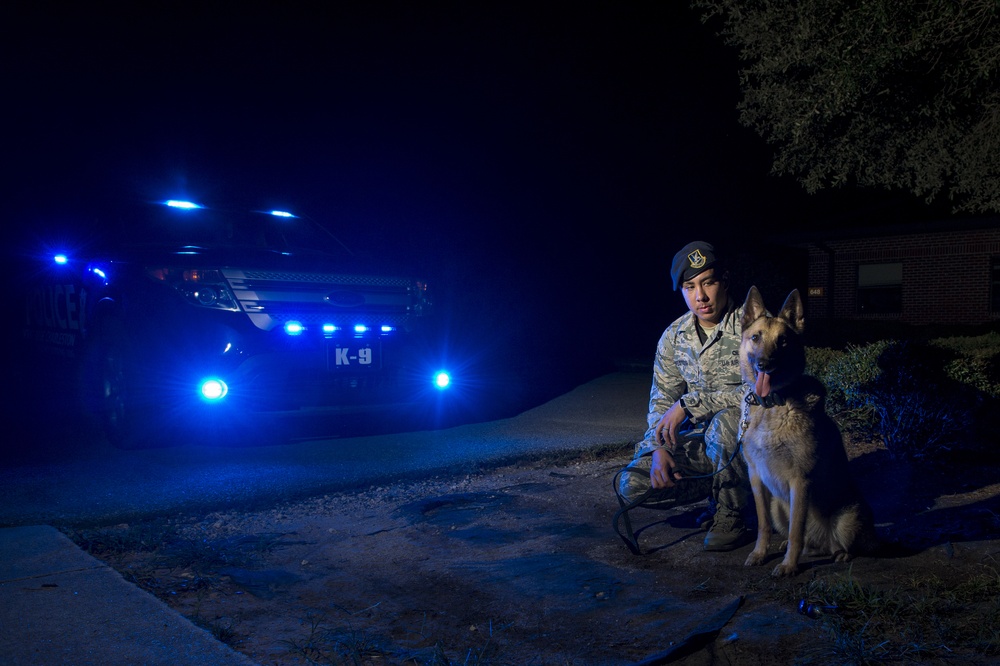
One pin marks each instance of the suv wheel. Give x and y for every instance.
(127, 423)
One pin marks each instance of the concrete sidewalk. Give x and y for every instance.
(59, 605)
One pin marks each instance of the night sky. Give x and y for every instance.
(541, 162)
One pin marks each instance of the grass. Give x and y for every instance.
(929, 618)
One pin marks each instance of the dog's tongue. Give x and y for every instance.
(763, 386)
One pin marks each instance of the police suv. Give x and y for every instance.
(176, 314)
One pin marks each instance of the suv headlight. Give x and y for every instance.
(201, 287)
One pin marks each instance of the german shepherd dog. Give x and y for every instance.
(794, 451)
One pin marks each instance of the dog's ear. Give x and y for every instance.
(793, 312)
(753, 308)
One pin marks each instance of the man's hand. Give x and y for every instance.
(663, 472)
(666, 428)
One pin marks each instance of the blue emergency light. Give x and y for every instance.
(186, 205)
(442, 380)
(213, 390)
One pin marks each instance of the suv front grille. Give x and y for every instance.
(272, 298)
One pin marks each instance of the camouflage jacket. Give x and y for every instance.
(706, 376)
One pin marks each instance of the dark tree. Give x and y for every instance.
(878, 93)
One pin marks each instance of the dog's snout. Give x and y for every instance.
(763, 364)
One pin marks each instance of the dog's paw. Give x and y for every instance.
(755, 559)
(842, 556)
(785, 569)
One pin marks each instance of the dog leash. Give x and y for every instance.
(624, 506)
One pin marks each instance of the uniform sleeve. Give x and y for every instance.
(668, 385)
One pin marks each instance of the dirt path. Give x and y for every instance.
(519, 565)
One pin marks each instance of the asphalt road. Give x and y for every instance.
(73, 477)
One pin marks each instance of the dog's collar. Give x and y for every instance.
(772, 400)
(752, 399)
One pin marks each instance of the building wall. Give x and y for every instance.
(946, 274)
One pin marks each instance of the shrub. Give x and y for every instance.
(919, 398)
(975, 361)
(835, 368)
(818, 359)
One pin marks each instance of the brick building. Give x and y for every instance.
(944, 272)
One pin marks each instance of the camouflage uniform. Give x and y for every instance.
(707, 376)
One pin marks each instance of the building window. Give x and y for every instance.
(995, 284)
(880, 288)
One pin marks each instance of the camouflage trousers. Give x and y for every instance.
(703, 456)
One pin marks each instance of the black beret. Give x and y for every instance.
(692, 259)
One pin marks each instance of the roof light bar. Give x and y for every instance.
(186, 205)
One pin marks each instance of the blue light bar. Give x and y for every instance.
(387, 329)
(187, 205)
(282, 213)
(330, 328)
(60, 259)
(360, 328)
(294, 328)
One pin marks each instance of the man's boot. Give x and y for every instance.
(727, 532)
(704, 519)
